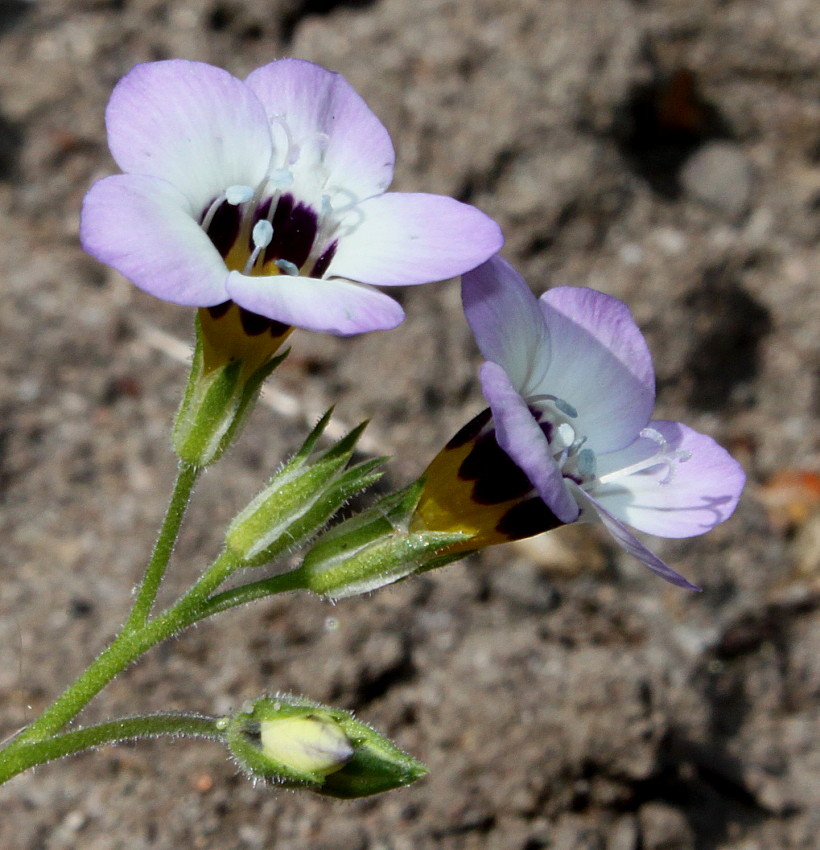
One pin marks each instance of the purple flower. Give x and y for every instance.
(571, 389)
(269, 193)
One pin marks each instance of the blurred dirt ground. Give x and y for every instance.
(664, 152)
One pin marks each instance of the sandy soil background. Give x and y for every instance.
(664, 152)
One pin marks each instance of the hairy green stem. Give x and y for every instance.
(155, 571)
(24, 756)
(126, 647)
(294, 580)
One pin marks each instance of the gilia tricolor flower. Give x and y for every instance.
(269, 194)
(568, 435)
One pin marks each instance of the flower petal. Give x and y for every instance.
(336, 135)
(191, 124)
(507, 323)
(590, 508)
(699, 493)
(338, 307)
(600, 365)
(143, 227)
(519, 435)
(401, 239)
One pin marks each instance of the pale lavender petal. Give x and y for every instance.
(520, 436)
(684, 500)
(143, 227)
(401, 239)
(600, 365)
(336, 141)
(336, 306)
(590, 508)
(507, 322)
(191, 124)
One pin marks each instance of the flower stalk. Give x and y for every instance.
(21, 757)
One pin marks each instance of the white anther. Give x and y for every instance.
(586, 463)
(281, 178)
(262, 234)
(287, 267)
(238, 194)
(564, 436)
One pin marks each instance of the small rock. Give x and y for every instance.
(719, 176)
(623, 835)
(664, 828)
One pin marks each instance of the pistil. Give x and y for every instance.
(663, 456)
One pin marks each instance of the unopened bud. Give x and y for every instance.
(297, 743)
(309, 744)
(300, 499)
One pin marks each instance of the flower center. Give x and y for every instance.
(266, 230)
(555, 416)
(579, 463)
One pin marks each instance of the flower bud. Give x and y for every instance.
(297, 743)
(299, 499)
(309, 744)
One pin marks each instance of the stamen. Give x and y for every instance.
(287, 267)
(663, 456)
(208, 218)
(576, 446)
(565, 434)
(564, 406)
(326, 230)
(282, 178)
(587, 463)
(291, 149)
(238, 194)
(351, 198)
(261, 234)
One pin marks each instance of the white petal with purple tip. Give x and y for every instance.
(402, 239)
(191, 124)
(600, 365)
(675, 499)
(507, 322)
(339, 307)
(336, 141)
(143, 227)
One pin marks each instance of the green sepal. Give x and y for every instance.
(215, 406)
(300, 499)
(374, 548)
(377, 564)
(391, 513)
(367, 762)
(306, 449)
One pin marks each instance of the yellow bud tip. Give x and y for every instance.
(306, 744)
